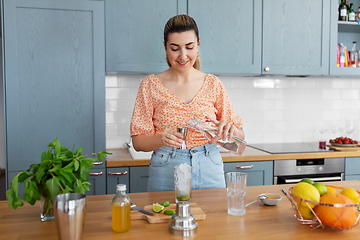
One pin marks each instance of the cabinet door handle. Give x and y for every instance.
(96, 174)
(267, 69)
(117, 173)
(97, 163)
(245, 167)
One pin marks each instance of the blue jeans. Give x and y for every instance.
(206, 162)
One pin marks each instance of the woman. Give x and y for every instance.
(167, 101)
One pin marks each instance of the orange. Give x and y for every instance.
(340, 217)
(331, 190)
(351, 193)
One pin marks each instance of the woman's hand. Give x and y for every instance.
(171, 138)
(225, 130)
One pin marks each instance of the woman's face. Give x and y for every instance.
(182, 50)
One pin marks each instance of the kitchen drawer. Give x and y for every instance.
(258, 173)
(97, 179)
(115, 176)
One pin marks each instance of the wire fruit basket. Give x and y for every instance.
(318, 214)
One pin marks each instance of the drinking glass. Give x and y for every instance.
(349, 127)
(182, 178)
(236, 192)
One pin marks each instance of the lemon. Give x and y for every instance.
(306, 191)
(321, 188)
(331, 190)
(351, 193)
(169, 212)
(306, 212)
(165, 204)
(157, 207)
(308, 180)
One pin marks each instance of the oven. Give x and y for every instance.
(318, 170)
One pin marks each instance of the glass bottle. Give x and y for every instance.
(236, 145)
(121, 210)
(343, 11)
(353, 56)
(352, 15)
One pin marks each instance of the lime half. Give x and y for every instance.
(157, 207)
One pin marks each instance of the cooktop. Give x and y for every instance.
(276, 148)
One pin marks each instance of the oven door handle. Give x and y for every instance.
(337, 178)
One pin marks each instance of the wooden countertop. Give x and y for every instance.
(259, 222)
(122, 158)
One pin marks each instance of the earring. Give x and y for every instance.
(166, 58)
(197, 54)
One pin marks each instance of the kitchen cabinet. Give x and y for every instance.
(134, 34)
(346, 33)
(98, 182)
(352, 168)
(295, 38)
(115, 176)
(54, 78)
(139, 177)
(230, 35)
(258, 173)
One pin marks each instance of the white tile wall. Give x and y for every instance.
(274, 109)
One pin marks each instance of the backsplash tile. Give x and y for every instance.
(274, 109)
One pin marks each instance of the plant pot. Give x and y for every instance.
(46, 209)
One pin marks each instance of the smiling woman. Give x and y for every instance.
(168, 100)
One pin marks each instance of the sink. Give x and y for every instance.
(139, 154)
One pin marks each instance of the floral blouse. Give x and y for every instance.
(157, 108)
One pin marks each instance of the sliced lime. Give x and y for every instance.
(165, 204)
(157, 207)
(183, 198)
(169, 212)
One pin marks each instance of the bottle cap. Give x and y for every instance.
(121, 187)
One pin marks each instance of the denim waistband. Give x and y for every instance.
(204, 149)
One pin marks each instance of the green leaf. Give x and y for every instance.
(84, 169)
(53, 186)
(46, 156)
(22, 176)
(9, 196)
(55, 168)
(101, 156)
(57, 147)
(69, 177)
(79, 187)
(76, 165)
(69, 166)
(34, 168)
(15, 184)
(63, 149)
(78, 151)
(40, 173)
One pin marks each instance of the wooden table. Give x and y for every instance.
(259, 222)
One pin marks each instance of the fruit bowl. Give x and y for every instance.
(318, 214)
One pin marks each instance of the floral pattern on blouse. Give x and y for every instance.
(157, 108)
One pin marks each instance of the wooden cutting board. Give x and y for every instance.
(162, 218)
(355, 148)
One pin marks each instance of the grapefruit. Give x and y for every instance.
(340, 217)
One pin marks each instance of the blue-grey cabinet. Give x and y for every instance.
(296, 37)
(258, 173)
(54, 74)
(352, 168)
(346, 33)
(230, 34)
(97, 180)
(115, 176)
(134, 34)
(139, 177)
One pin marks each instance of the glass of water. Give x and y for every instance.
(182, 178)
(236, 192)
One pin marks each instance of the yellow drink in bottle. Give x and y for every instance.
(121, 210)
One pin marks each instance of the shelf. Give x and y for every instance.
(348, 23)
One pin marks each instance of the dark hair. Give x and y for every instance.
(179, 24)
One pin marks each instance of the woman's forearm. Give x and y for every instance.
(147, 143)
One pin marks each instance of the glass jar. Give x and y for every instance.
(121, 210)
